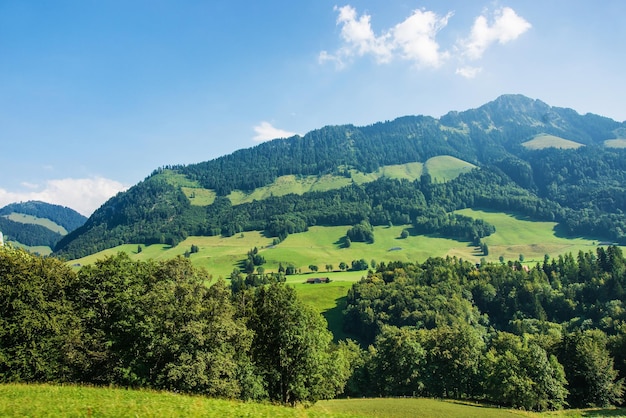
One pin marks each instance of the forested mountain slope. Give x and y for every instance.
(35, 223)
(580, 188)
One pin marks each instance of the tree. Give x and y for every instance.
(404, 234)
(398, 362)
(520, 374)
(313, 267)
(40, 333)
(589, 370)
(343, 266)
(291, 347)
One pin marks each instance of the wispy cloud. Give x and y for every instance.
(265, 131)
(506, 26)
(412, 39)
(415, 39)
(468, 72)
(82, 195)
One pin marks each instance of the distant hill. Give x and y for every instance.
(38, 224)
(408, 171)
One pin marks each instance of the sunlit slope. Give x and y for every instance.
(30, 219)
(441, 168)
(324, 245)
(550, 141)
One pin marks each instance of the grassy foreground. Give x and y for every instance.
(20, 400)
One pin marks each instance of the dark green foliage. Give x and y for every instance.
(40, 334)
(538, 339)
(61, 215)
(362, 232)
(292, 347)
(435, 220)
(157, 325)
(589, 370)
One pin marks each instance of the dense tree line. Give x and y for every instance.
(159, 325)
(539, 338)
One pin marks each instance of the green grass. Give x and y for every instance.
(41, 249)
(199, 196)
(615, 143)
(323, 245)
(517, 235)
(413, 407)
(29, 219)
(20, 400)
(17, 400)
(445, 168)
(547, 141)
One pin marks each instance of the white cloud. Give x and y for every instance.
(416, 38)
(82, 195)
(507, 26)
(413, 39)
(468, 72)
(265, 131)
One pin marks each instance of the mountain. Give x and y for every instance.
(567, 174)
(36, 223)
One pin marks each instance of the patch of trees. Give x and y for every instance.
(362, 232)
(540, 339)
(158, 325)
(435, 220)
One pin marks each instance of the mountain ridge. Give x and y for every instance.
(489, 137)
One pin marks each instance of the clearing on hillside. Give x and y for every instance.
(29, 219)
(615, 143)
(444, 168)
(550, 141)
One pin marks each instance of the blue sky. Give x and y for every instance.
(96, 94)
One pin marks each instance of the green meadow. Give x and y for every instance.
(29, 219)
(445, 168)
(321, 246)
(518, 235)
(20, 400)
(441, 168)
(615, 143)
(547, 141)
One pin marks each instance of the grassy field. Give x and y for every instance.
(445, 168)
(547, 141)
(29, 219)
(615, 143)
(518, 235)
(324, 245)
(19, 400)
(442, 168)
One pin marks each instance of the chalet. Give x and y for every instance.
(314, 280)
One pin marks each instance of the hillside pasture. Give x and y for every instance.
(325, 245)
(615, 143)
(517, 235)
(29, 219)
(550, 141)
(444, 168)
